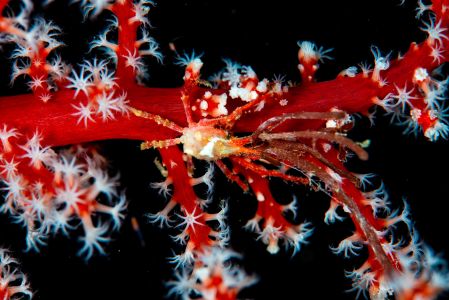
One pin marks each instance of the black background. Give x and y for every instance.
(262, 34)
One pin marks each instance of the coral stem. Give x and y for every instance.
(57, 121)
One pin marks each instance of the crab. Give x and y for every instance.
(211, 139)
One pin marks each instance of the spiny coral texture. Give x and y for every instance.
(49, 192)
(298, 134)
(13, 283)
(215, 277)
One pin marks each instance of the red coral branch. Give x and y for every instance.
(353, 95)
(299, 128)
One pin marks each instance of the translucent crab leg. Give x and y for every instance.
(296, 148)
(305, 166)
(264, 172)
(272, 123)
(159, 144)
(231, 175)
(157, 119)
(339, 139)
(229, 120)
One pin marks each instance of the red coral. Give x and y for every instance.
(296, 133)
